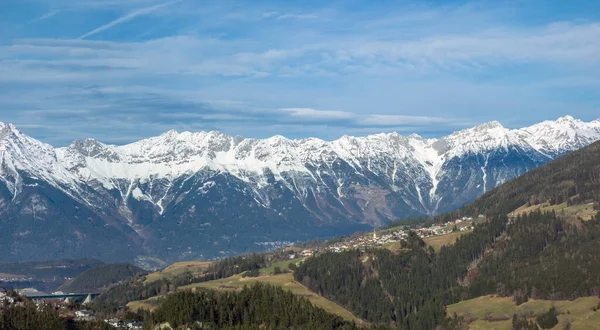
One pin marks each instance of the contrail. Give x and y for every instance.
(45, 16)
(128, 17)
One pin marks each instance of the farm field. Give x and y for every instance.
(436, 242)
(492, 312)
(179, 268)
(148, 304)
(283, 265)
(585, 211)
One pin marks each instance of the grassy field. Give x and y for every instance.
(285, 281)
(282, 265)
(179, 268)
(434, 241)
(578, 312)
(149, 304)
(438, 241)
(585, 211)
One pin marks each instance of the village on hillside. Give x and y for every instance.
(386, 237)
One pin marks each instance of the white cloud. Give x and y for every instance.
(313, 114)
(368, 120)
(297, 16)
(398, 120)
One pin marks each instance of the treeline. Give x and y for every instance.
(258, 307)
(408, 290)
(235, 265)
(135, 288)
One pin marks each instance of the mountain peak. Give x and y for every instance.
(8, 130)
(170, 134)
(488, 126)
(566, 119)
(8, 126)
(414, 136)
(569, 121)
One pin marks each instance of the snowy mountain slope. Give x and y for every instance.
(214, 193)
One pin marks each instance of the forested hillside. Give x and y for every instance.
(573, 178)
(138, 288)
(257, 307)
(408, 289)
(540, 255)
(544, 257)
(101, 277)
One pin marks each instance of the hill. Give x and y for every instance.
(531, 255)
(259, 306)
(101, 277)
(573, 179)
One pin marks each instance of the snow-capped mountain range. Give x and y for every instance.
(182, 195)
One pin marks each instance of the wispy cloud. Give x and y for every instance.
(313, 114)
(45, 16)
(366, 120)
(128, 17)
(576, 45)
(294, 16)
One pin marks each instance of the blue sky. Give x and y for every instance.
(120, 70)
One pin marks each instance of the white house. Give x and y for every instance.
(85, 315)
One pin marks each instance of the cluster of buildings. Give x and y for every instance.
(386, 237)
(15, 278)
(462, 224)
(41, 300)
(369, 240)
(85, 315)
(5, 299)
(361, 242)
(125, 324)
